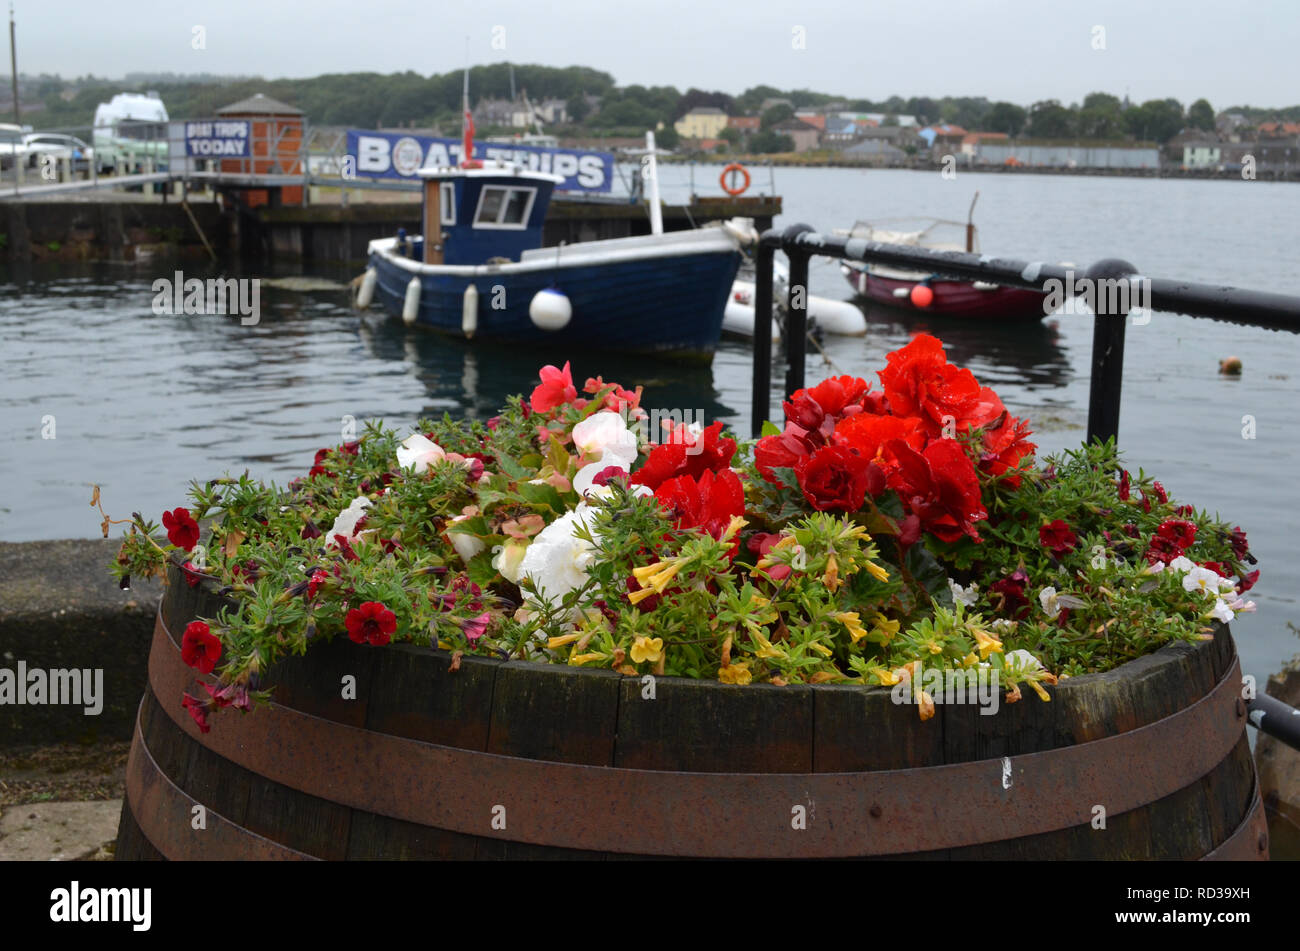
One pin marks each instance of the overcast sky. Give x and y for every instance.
(1021, 50)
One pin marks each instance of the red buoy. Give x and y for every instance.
(922, 295)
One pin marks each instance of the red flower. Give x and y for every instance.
(191, 574)
(834, 395)
(1247, 582)
(182, 530)
(804, 411)
(1123, 485)
(833, 479)
(1012, 589)
(1160, 492)
(760, 543)
(782, 451)
(555, 390)
(707, 502)
(939, 487)
(372, 623)
(200, 648)
(1005, 446)
(1162, 550)
(685, 454)
(198, 710)
(919, 381)
(1181, 533)
(1240, 547)
(867, 433)
(1057, 538)
(1217, 568)
(314, 582)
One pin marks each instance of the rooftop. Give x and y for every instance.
(260, 105)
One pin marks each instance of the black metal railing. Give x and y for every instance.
(1219, 302)
(800, 243)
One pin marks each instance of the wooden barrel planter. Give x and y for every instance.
(519, 760)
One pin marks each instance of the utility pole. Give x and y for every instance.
(13, 63)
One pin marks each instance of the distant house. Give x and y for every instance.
(1278, 130)
(880, 118)
(552, 111)
(944, 137)
(895, 135)
(746, 124)
(500, 112)
(816, 119)
(971, 141)
(806, 137)
(839, 131)
(1279, 154)
(874, 151)
(702, 122)
(1229, 125)
(769, 103)
(1194, 148)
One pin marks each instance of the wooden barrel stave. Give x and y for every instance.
(600, 718)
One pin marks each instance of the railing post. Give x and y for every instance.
(764, 257)
(1108, 328)
(796, 319)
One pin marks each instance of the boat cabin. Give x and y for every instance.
(474, 214)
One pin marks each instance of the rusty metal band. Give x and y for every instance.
(164, 813)
(725, 815)
(1249, 841)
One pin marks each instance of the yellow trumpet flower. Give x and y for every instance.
(821, 648)
(579, 659)
(886, 676)
(1038, 689)
(877, 572)
(563, 639)
(831, 577)
(986, 643)
(766, 648)
(735, 674)
(883, 629)
(647, 649)
(733, 527)
(853, 622)
(636, 597)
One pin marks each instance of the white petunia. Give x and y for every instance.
(1022, 660)
(507, 559)
(418, 453)
(1221, 611)
(467, 546)
(604, 437)
(1048, 599)
(557, 559)
(1206, 582)
(966, 596)
(1182, 563)
(345, 523)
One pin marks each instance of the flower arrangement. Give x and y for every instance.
(879, 529)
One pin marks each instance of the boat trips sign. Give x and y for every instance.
(393, 155)
(207, 137)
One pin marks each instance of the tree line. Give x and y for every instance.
(597, 105)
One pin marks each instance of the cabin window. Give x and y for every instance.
(447, 203)
(504, 207)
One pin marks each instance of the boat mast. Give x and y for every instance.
(651, 170)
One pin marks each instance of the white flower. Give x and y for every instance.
(467, 546)
(345, 523)
(1206, 582)
(1221, 611)
(1003, 625)
(557, 559)
(604, 436)
(1022, 660)
(1182, 563)
(1242, 606)
(419, 453)
(582, 482)
(966, 596)
(1047, 598)
(508, 558)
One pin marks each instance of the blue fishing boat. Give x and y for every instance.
(484, 275)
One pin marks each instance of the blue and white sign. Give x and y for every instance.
(209, 138)
(393, 155)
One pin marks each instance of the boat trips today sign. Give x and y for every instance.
(212, 137)
(393, 155)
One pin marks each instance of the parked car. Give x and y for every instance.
(60, 147)
(131, 128)
(11, 144)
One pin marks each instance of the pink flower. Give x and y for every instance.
(555, 390)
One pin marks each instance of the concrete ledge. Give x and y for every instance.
(61, 609)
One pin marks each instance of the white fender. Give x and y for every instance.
(469, 311)
(411, 306)
(367, 292)
(550, 309)
(837, 316)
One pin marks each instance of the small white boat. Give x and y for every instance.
(830, 316)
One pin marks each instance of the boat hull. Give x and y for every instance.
(671, 305)
(951, 298)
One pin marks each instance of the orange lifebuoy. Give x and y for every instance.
(730, 169)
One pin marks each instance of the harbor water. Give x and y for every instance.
(96, 388)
